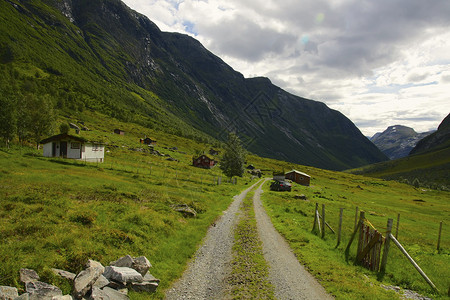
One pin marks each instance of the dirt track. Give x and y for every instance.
(205, 277)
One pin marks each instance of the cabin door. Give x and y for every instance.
(53, 149)
(63, 149)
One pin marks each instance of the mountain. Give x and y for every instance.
(428, 163)
(397, 141)
(438, 140)
(101, 55)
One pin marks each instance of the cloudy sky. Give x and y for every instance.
(379, 62)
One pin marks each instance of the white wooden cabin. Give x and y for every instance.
(69, 146)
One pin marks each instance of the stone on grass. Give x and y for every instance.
(86, 278)
(149, 287)
(101, 282)
(8, 293)
(38, 290)
(107, 293)
(150, 278)
(122, 274)
(126, 261)
(28, 275)
(65, 274)
(65, 297)
(141, 264)
(24, 296)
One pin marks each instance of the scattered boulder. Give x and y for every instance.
(94, 282)
(301, 197)
(185, 210)
(150, 278)
(65, 274)
(149, 287)
(74, 126)
(28, 275)
(8, 293)
(107, 293)
(24, 296)
(141, 265)
(101, 282)
(125, 261)
(38, 290)
(122, 274)
(65, 297)
(85, 279)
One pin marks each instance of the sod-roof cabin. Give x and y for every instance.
(75, 147)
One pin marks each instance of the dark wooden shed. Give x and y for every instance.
(298, 177)
(203, 161)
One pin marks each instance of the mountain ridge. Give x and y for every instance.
(113, 59)
(397, 140)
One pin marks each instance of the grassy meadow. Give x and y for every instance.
(421, 211)
(57, 213)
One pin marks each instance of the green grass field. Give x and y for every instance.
(57, 213)
(421, 211)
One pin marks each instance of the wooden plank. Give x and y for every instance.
(366, 249)
(411, 260)
(386, 246)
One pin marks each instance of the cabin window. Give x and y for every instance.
(95, 147)
(75, 145)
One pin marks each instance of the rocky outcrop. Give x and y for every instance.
(95, 282)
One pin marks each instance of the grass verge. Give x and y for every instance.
(249, 277)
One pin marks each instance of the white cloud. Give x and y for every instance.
(380, 63)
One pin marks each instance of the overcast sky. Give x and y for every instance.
(379, 62)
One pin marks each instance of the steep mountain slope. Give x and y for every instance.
(103, 56)
(438, 140)
(397, 141)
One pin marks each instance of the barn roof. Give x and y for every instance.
(298, 172)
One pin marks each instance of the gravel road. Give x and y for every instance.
(288, 276)
(206, 274)
(205, 277)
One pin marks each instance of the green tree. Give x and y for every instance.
(233, 160)
(64, 128)
(35, 117)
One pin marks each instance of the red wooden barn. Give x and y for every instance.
(203, 161)
(299, 177)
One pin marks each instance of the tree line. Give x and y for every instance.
(26, 116)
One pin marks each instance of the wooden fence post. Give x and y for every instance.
(386, 246)
(315, 216)
(323, 220)
(356, 217)
(362, 216)
(340, 227)
(354, 234)
(439, 238)
(398, 222)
